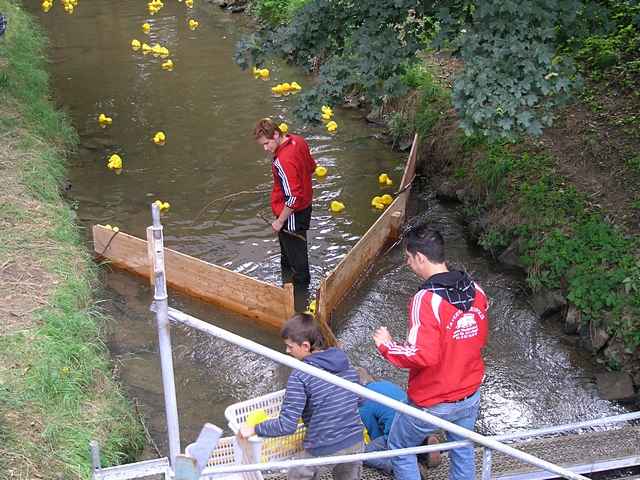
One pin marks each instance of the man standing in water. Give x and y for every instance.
(292, 167)
(448, 328)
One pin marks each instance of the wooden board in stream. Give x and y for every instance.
(267, 303)
(386, 229)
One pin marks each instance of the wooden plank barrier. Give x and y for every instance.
(335, 286)
(234, 291)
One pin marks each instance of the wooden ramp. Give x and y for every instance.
(214, 284)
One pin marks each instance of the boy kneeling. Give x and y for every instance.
(330, 413)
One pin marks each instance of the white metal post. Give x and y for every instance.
(164, 337)
(487, 458)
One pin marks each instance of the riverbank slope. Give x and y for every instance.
(56, 386)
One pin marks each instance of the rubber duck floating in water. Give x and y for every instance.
(384, 180)
(376, 202)
(188, 3)
(146, 27)
(326, 113)
(155, 6)
(332, 126)
(387, 199)
(336, 206)
(146, 49)
(135, 44)
(159, 138)
(115, 162)
(163, 206)
(320, 171)
(46, 6)
(193, 24)
(262, 73)
(168, 65)
(284, 128)
(69, 5)
(103, 120)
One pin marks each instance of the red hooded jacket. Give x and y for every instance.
(443, 347)
(292, 168)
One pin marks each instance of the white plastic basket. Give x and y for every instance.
(267, 449)
(229, 452)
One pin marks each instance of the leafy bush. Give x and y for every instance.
(276, 12)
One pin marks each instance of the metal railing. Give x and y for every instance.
(164, 314)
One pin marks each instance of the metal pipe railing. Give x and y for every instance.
(488, 442)
(164, 336)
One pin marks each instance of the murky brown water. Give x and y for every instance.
(207, 108)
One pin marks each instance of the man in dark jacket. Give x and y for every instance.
(448, 328)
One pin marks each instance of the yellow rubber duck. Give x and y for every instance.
(163, 206)
(164, 52)
(295, 86)
(46, 6)
(376, 200)
(103, 120)
(383, 179)
(277, 89)
(326, 109)
(115, 162)
(135, 44)
(264, 73)
(146, 27)
(193, 24)
(312, 308)
(387, 199)
(336, 206)
(332, 126)
(320, 171)
(168, 65)
(156, 50)
(146, 48)
(256, 417)
(284, 128)
(188, 3)
(326, 116)
(159, 138)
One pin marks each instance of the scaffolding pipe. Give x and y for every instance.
(193, 322)
(164, 337)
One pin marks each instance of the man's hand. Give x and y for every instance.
(381, 335)
(277, 225)
(247, 431)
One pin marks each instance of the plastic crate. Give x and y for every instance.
(267, 449)
(229, 452)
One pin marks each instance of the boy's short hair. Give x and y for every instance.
(266, 128)
(303, 328)
(427, 241)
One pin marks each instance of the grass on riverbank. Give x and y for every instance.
(56, 391)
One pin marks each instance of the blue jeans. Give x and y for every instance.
(376, 445)
(408, 431)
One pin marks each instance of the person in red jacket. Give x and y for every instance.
(292, 167)
(447, 331)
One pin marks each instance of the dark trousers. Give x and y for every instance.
(294, 261)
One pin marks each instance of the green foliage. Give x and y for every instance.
(434, 100)
(276, 12)
(613, 50)
(518, 57)
(564, 246)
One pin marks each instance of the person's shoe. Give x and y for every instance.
(434, 457)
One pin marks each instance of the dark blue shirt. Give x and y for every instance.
(377, 417)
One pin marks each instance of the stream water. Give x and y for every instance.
(207, 108)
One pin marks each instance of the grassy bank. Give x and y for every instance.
(56, 390)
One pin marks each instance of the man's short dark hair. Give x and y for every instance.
(266, 128)
(427, 241)
(303, 328)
